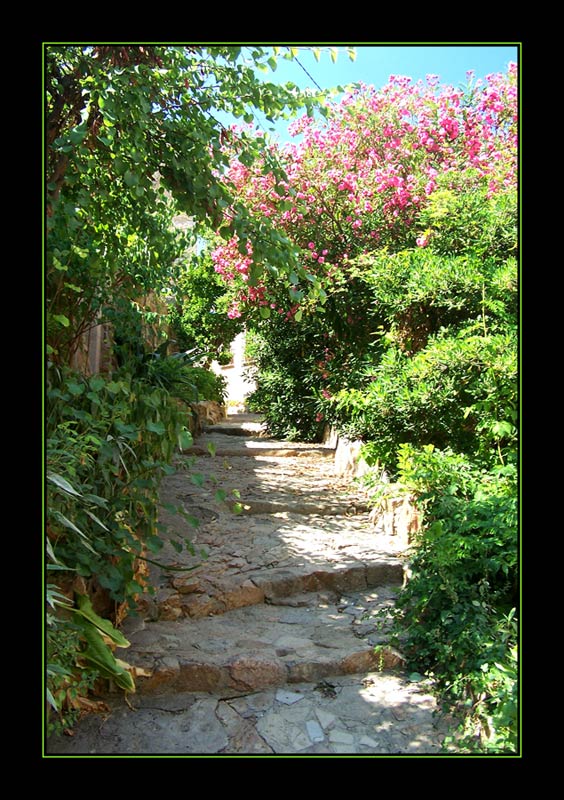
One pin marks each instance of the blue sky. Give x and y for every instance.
(375, 63)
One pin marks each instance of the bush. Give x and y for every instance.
(288, 377)
(456, 617)
(199, 317)
(458, 391)
(208, 385)
(109, 442)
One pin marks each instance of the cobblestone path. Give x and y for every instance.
(268, 645)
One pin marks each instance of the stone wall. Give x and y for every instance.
(396, 513)
(348, 461)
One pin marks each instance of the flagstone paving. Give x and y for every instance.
(267, 636)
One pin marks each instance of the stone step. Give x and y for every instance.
(308, 637)
(197, 595)
(296, 505)
(250, 448)
(232, 430)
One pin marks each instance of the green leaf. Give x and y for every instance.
(76, 389)
(237, 508)
(73, 287)
(264, 312)
(130, 178)
(298, 315)
(68, 524)
(61, 319)
(95, 518)
(99, 654)
(272, 63)
(86, 610)
(334, 53)
(156, 427)
(351, 52)
(236, 493)
(77, 135)
(185, 439)
(197, 479)
(97, 383)
(220, 495)
(211, 448)
(51, 699)
(62, 483)
(316, 52)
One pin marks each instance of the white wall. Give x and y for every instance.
(238, 387)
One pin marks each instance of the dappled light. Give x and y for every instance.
(282, 411)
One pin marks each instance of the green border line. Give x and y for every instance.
(456, 756)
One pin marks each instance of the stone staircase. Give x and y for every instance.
(292, 584)
(265, 636)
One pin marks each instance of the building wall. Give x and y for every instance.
(239, 387)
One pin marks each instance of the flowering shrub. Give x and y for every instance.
(398, 325)
(364, 180)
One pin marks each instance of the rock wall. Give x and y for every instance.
(396, 513)
(348, 461)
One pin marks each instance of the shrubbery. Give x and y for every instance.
(403, 209)
(131, 142)
(457, 615)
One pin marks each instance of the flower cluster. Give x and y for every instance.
(361, 181)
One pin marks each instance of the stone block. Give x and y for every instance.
(288, 698)
(363, 661)
(201, 606)
(341, 737)
(384, 572)
(306, 672)
(245, 594)
(184, 585)
(200, 677)
(163, 677)
(314, 731)
(252, 673)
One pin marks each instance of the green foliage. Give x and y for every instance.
(462, 217)
(132, 140)
(287, 378)
(109, 442)
(456, 617)
(458, 391)
(209, 385)
(199, 318)
(298, 363)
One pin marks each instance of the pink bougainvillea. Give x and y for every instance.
(361, 179)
